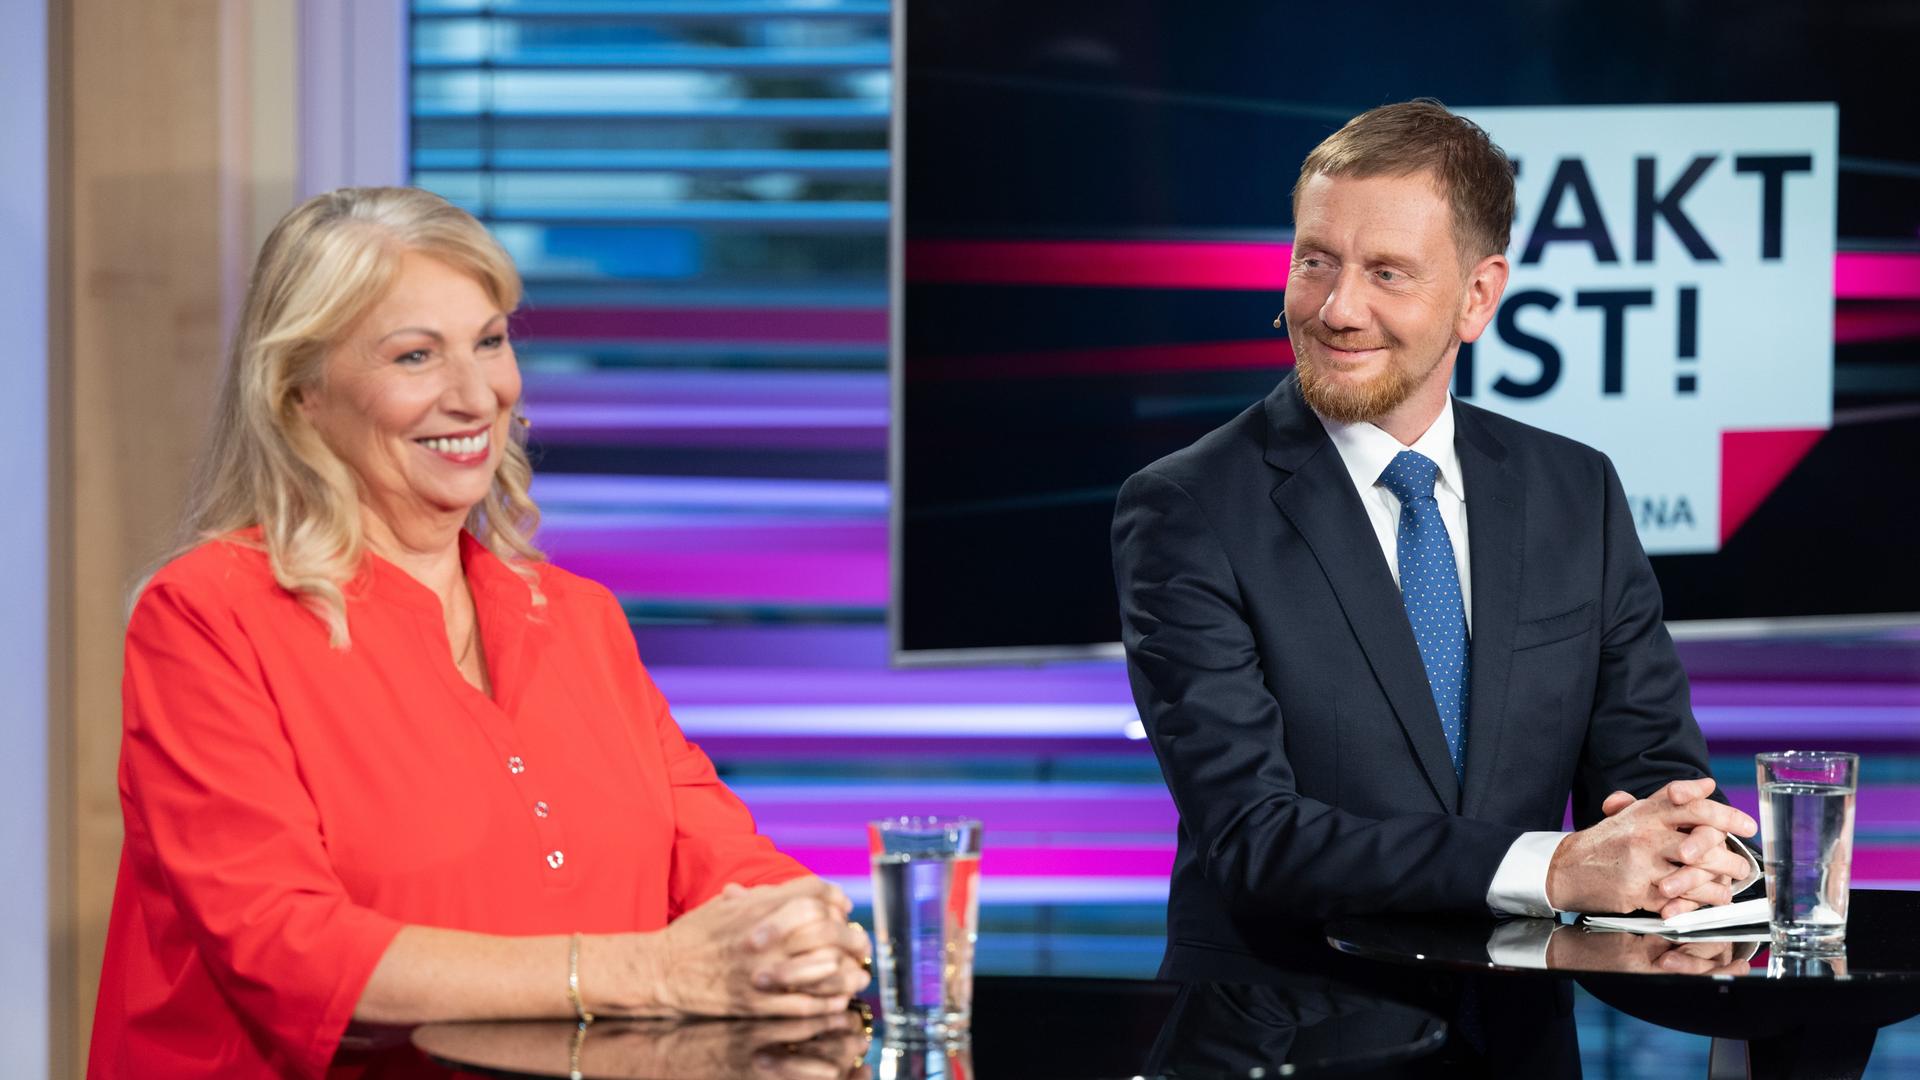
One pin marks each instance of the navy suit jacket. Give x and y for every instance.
(1278, 678)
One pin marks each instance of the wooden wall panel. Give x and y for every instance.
(162, 173)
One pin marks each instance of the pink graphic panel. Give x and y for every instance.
(1752, 464)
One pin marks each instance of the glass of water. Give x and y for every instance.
(1806, 827)
(926, 916)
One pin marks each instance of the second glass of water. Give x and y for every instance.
(926, 916)
(1806, 827)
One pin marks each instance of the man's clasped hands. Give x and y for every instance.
(1666, 853)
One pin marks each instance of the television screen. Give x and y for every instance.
(1716, 279)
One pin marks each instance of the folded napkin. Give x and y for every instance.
(1744, 913)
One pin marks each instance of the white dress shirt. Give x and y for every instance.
(1520, 883)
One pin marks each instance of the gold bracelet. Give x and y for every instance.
(573, 981)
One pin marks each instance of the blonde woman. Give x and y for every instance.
(383, 763)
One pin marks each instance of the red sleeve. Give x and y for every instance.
(208, 770)
(714, 840)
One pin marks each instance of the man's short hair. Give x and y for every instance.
(1473, 175)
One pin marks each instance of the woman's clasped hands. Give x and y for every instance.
(768, 950)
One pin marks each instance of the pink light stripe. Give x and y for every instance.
(1871, 864)
(1876, 275)
(1107, 862)
(1149, 264)
(1159, 264)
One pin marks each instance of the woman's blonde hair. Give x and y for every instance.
(323, 267)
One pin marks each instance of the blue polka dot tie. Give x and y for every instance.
(1430, 590)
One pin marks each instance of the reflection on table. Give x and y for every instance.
(817, 1048)
(1023, 1027)
(1219, 1030)
(1798, 1015)
(1882, 946)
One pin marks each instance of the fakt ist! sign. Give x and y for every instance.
(1671, 301)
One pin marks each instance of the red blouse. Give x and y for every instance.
(289, 806)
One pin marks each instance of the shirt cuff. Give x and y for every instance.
(1520, 883)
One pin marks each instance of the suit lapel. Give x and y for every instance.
(1496, 524)
(1317, 497)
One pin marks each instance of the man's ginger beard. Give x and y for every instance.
(1348, 403)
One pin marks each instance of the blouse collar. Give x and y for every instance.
(495, 586)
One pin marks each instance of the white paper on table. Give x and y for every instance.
(1744, 913)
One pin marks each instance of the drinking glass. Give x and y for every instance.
(926, 915)
(1806, 827)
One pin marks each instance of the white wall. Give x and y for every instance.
(353, 94)
(24, 948)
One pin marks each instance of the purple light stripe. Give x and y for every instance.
(751, 387)
(769, 439)
(641, 519)
(1104, 684)
(1150, 810)
(787, 831)
(1825, 694)
(1083, 720)
(1876, 805)
(849, 326)
(615, 417)
(1828, 722)
(700, 721)
(586, 489)
(718, 534)
(910, 749)
(794, 647)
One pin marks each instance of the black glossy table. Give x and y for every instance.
(1394, 997)
(1769, 1015)
(1058, 1028)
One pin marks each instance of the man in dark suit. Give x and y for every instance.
(1378, 636)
